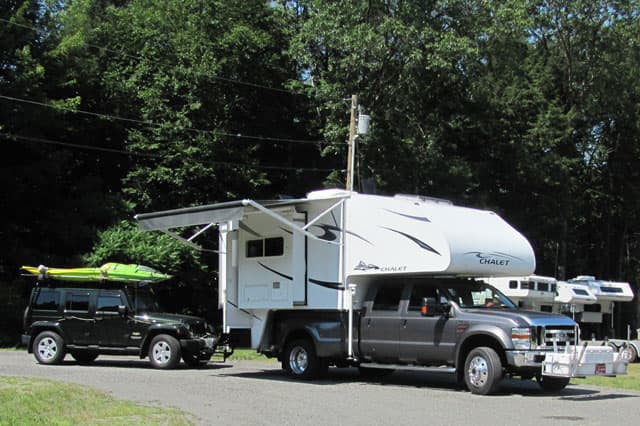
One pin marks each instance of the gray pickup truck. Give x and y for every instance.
(456, 325)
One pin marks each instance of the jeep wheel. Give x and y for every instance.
(552, 384)
(164, 352)
(482, 371)
(48, 348)
(299, 360)
(84, 357)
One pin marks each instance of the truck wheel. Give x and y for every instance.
(164, 352)
(300, 361)
(482, 371)
(552, 384)
(84, 357)
(48, 348)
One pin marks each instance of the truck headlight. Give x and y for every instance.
(521, 338)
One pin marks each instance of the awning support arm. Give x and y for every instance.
(187, 241)
(317, 218)
(279, 218)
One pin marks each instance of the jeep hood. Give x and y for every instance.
(165, 318)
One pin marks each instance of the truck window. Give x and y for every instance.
(78, 302)
(418, 293)
(387, 298)
(108, 302)
(47, 300)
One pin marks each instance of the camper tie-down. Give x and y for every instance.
(383, 283)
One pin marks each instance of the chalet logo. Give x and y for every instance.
(363, 266)
(494, 258)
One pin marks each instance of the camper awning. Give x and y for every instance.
(190, 216)
(216, 214)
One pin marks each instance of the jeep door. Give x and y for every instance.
(77, 322)
(112, 328)
(380, 325)
(427, 338)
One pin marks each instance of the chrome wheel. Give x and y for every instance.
(161, 352)
(478, 371)
(47, 348)
(298, 360)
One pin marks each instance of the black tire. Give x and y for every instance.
(299, 360)
(84, 357)
(374, 373)
(193, 360)
(48, 348)
(164, 352)
(552, 384)
(483, 371)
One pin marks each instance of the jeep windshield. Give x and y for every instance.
(477, 295)
(144, 299)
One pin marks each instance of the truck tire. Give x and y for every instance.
(483, 371)
(164, 352)
(299, 360)
(552, 384)
(48, 348)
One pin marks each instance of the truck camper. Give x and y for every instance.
(383, 283)
(529, 292)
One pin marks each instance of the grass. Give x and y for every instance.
(44, 402)
(249, 355)
(630, 381)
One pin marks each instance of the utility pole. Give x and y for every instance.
(351, 142)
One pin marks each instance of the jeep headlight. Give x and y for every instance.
(521, 338)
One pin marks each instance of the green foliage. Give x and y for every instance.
(44, 402)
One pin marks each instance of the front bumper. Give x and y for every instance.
(573, 361)
(202, 347)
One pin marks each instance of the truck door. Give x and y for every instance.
(380, 325)
(426, 339)
(111, 328)
(78, 321)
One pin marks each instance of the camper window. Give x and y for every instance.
(265, 248)
(513, 284)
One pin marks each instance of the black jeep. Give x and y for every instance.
(89, 319)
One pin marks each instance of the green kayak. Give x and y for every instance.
(107, 272)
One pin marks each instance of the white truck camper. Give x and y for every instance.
(341, 278)
(529, 292)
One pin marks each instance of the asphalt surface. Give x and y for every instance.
(258, 393)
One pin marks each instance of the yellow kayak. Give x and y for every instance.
(107, 272)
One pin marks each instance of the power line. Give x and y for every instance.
(128, 55)
(140, 154)
(152, 124)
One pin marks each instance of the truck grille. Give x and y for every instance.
(554, 337)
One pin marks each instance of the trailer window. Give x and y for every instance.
(387, 298)
(513, 284)
(266, 247)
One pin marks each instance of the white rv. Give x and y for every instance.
(571, 299)
(529, 292)
(341, 278)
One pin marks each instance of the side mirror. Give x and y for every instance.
(122, 310)
(431, 307)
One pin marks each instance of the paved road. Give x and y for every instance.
(258, 393)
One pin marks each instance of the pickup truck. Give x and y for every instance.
(457, 325)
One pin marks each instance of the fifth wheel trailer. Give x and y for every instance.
(383, 283)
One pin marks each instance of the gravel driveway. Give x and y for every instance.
(258, 393)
